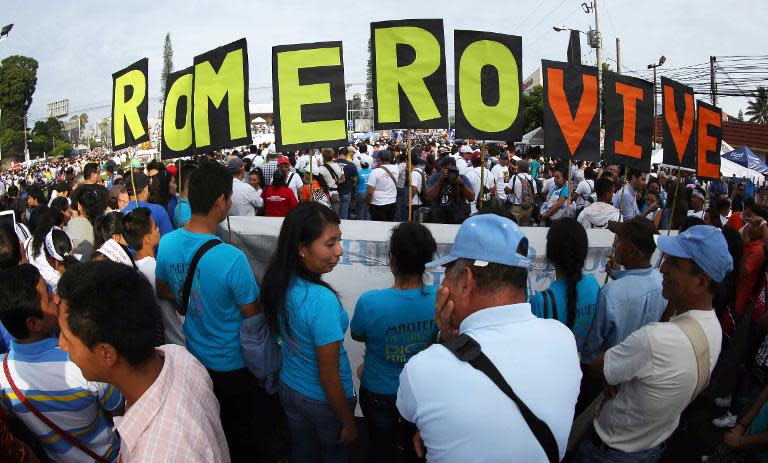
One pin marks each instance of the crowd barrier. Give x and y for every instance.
(365, 264)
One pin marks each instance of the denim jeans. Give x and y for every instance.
(390, 437)
(589, 452)
(314, 427)
(362, 211)
(344, 207)
(402, 205)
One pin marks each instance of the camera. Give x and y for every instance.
(453, 174)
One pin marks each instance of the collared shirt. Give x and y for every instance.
(437, 390)
(268, 170)
(245, 200)
(625, 200)
(631, 300)
(177, 418)
(57, 388)
(656, 368)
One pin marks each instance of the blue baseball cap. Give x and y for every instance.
(487, 238)
(705, 245)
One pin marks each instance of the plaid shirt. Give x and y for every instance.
(177, 418)
(268, 170)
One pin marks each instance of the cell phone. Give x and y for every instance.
(7, 217)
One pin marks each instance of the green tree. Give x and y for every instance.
(757, 109)
(167, 62)
(18, 78)
(533, 108)
(61, 148)
(83, 121)
(44, 134)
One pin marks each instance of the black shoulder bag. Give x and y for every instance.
(187, 289)
(468, 350)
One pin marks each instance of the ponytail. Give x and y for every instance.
(567, 247)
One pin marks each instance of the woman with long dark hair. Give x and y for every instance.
(309, 322)
(408, 302)
(572, 297)
(162, 190)
(47, 220)
(673, 218)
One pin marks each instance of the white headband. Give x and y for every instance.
(114, 252)
(52, 249)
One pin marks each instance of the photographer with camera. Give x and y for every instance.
(450, 194)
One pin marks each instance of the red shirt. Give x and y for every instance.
(736, 221)
(754, 256)
(278, 201)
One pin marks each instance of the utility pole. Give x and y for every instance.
(599, 57)
(618, 55)
(26, 150)
(1, 148)
(712, 80)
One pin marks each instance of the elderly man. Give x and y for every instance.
(245, 200)
(659, 369)
(524, 412)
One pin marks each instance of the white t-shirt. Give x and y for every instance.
(245, 201)
(172, 321)
(463, 166)
(384, 189)
(656, 368)
(295, 183)
(416, 179)
(325, 171)
(548, 185)
(473, 175)
(692, 213)
(583, 190)
(516, 185)
(501, 175)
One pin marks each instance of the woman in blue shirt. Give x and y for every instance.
(395, 324)
(573, 295)
(309, 323)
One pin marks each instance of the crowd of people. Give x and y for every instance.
(129, 326)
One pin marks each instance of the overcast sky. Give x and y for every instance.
(80, 44)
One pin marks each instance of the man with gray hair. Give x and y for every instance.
(533, 386)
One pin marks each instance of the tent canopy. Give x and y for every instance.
(534, 137)
(747, 158)
(727, 167)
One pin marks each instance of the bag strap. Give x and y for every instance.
(390, 174)
(546, 304)
(695, 334)
(468, 350)
(554, 303)
(55, 428)
(187, 289)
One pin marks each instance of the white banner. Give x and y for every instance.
(365, 264)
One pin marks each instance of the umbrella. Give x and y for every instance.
(747, 158)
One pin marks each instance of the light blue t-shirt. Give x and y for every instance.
(181, 213)
(223, 281)
(587, 290)
(316, 318)
(159, 215)
(362, 180)
(397, 324)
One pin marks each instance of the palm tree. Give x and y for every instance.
(757, 109)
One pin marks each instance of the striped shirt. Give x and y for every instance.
(177, 419)
(56, 387)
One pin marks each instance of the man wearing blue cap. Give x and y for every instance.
(660, 368)
(525, 412)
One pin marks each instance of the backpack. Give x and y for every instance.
(526, 193)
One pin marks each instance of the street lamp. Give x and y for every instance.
(653, 66)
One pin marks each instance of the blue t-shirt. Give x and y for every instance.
(181, 213)
(5, 339)
(171, 206)
(362, 180)
(350, 171)
(316, 318)
(397, 324)
(159, 215)
(449, 194)
(223, 281)
(586, 301)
